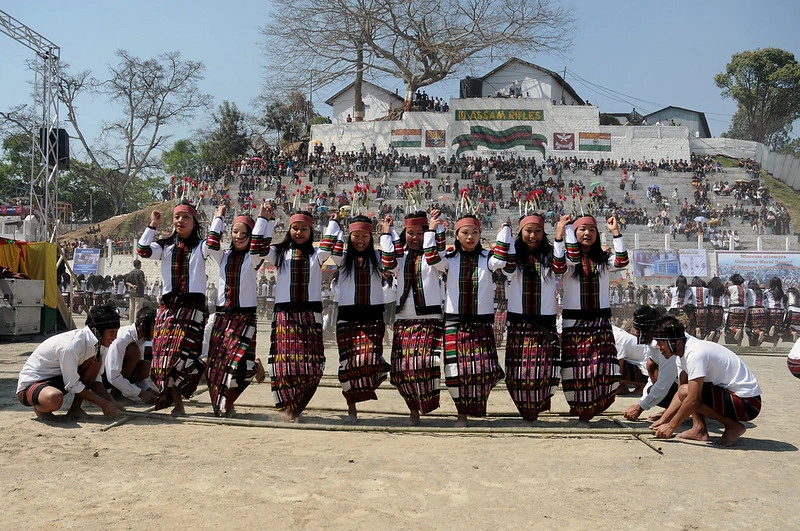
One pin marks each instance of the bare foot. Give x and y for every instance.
(693, 434)
(731, 435)
(413, 418)
(461, 421)
(352, 414)
(230, 413)
(77, 413)
(655, 417)
(45, 416)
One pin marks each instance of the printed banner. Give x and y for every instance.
(760, 265)
(435, 138)
(406, 138)
(694, 263)
(594, 142)
(86, 261)
(656, 263)
(519, 115)
(521, 135)
(564, 141)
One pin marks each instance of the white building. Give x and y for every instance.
(377, 102)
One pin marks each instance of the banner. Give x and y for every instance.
(760, 265)
(520, 115)
(564, 141)
(656, 263)
(694, 263)
(520, 135)
(86, 261)
(435, 138)
(407, 138)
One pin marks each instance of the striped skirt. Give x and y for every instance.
(231, 363)
(776, 317)
(701, 319)
(757, 318)
(716, 318)
(177, 344)
(361, 365)
(729, 405)
(533, 368)
(296, 360)
(794, 366)
(416, 354)
(590, 369)
(471, 367)
(737, 316)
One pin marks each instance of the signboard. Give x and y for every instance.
(760, 265)
(693, 263)
(494, 115)
(656, 262)
(85, 261)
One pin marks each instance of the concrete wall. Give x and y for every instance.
(681, 117)
(538, 118)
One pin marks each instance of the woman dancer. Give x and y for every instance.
(701, 312)
(756, 322)
(232, 361)
(533, 367)
(716, 302)
(177, 342)
(737, 309)
(776, 312)
(590, 369)
(360, 328)
(471, 367)
(297, 356)
(418, 328)
(680, 294)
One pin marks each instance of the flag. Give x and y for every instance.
(520, 135)
(407, 138)
(594, 142)
(564, 141)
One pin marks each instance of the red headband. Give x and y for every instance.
(466, 222)
(361, 225)
(189, 209)
(301, 218)
(584, 220)
(247, 220)
(415, 222)
(533, 218)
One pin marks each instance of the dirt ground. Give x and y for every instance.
(158, 474)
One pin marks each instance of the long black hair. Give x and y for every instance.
(776, 287)
(681, 285)
(194, 238)
(543, 255)
(698, 282)
(413, 215)
(736, 279)
(351, 255)
(457, 245)
(306, 249)
(753, 285)
(717, 288)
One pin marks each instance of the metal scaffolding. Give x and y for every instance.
(44, 144)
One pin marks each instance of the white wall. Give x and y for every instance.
(377, 104)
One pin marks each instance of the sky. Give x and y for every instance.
(625, 53)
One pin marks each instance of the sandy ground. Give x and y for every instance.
(161, 474)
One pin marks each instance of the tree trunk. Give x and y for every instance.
(358, 110)
(409, 101)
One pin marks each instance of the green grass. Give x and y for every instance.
(786, 195)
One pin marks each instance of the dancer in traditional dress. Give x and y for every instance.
(701, 309)
(532, 362)
(471, 367)
(232, 362)
(716, 302)
(297, 354)
(756, 323)
(776, 313)
(590, 371)
(737, 309)
(680, 294)
(181, 318)
(418, 328)
(360, 328)
(719, 385)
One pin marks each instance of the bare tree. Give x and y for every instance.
(418, 41)
(153, 94)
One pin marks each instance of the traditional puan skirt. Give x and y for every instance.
(533, 367)
(471, 367)
(757, 318)
(416, 354)
(701, 320)
(776, 317)
(361, 365)
(716, 318)
(177, 344)
(737, 316)
(589, 367)
(231, 363)
(296, 359)
(729, 405)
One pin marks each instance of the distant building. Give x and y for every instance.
(518, 78)
(695, 121)
(377, 102)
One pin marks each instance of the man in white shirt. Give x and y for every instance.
(632, 362)
(717, 384)
(662, 372)
(126, 371)
(71, 362)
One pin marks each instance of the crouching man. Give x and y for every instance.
(716, 384)
(71, 362)
(127, 373)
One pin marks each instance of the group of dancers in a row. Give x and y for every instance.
(428, 327)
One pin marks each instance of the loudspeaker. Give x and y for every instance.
(59, 143)
(471, 87)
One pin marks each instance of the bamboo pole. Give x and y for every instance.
(219, 421)
(656, 449)
(122, 420)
